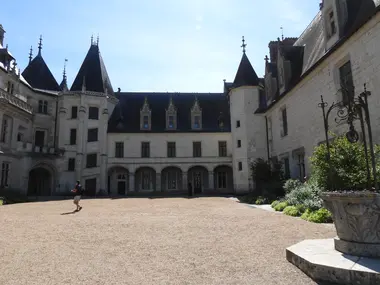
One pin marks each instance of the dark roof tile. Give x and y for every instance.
(39, 76)
(94, 72)
(126, 115)
(246, 75)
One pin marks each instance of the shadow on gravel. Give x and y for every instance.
(70, 213)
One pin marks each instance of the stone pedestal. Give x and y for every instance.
(320, 261)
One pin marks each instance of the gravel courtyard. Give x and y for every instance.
(150, 241)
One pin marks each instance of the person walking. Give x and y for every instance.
(78, 194)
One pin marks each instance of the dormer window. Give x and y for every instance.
(196, 116)
(145, 116)
(171, 116)
(171, 122)
(332, 23)
(145, 122)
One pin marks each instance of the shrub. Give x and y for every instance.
(348, 165)
(274, 203)
(307, 194)
(249, 199)
(301, 209)
(281, 206)
(319, 216)
(291, 211)
(260, 201)
(1, 202)
(291, 184)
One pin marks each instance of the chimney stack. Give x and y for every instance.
(2, 32)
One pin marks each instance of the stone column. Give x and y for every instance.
(103, 150)
(184, 181)
(158, 182)
(132, 182)
(211, 180)
(80, 163)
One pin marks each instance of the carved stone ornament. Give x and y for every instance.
(171, 108)
(196, 108)
(145, 108)
(356, 216)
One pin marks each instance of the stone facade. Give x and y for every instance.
(51, 133)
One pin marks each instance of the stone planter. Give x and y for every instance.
(356, 216)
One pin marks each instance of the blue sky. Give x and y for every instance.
(152, 45)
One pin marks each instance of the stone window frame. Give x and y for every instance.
(282, 158)
(284, 131)
(145, 111)
(196, 110)
(171, 111)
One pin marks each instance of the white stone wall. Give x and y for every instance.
(244, 101)
(305, 123)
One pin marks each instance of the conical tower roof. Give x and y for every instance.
(94, 72)
(246, 75)
(38, 74)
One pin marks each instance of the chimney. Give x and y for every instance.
(273, 48)
(2, 32)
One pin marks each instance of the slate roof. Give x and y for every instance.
(39, 76)
(94, 71)
(246, 75)
(126, 115)
(312, 40)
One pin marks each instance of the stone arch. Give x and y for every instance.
(118, 180)
(41, 180)
(198, 177)
(223, 178)
(145, 179)
(171, 179)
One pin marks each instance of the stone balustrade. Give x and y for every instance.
(15, 101)
(28, 147)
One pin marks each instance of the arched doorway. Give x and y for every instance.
(118, 180)
(171, 179)
(40, 182)
(198, 177)
(145, 179)
(223, 178)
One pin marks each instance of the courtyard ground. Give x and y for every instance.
(150, 241)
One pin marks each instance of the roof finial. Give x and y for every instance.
(64, 70)
(266, 59)
(282, 33)
(30, 54)
(92, 39)
(244, 44)
(97, 40)
(40, 45)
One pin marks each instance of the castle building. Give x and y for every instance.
(125, 143)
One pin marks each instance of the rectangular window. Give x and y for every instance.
(197, 149)
(346, 82)
(119, 149)
(93, 113)
(197, 122)
(92, 135)
(4, 130)
(4, 174)
(286, 167)
(145, 149)
(39, 138)
(284, 122)
(171, 122)
(240, 166)
(73, 136)
(71, 164)
(42, 107)
(239, 143)
(10, 88)
(74, 112)
(171, 149)
(222, 148)
(91, 160)
(146, 122)
(237, 124)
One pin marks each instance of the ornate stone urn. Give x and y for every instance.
(356, 216)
